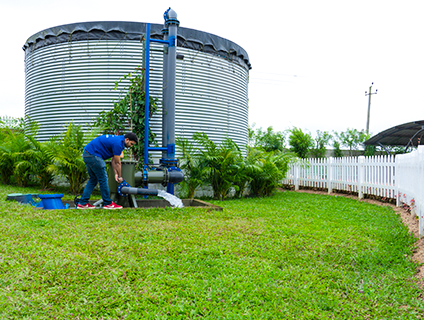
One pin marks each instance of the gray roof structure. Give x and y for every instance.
(407, 135)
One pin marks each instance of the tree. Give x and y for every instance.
(14, 124)
(267, 140)
(337, 151)
(300, 142)
(320, 142)
(352, 139)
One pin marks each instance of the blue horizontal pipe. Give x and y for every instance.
(160, 41)
(158, 148)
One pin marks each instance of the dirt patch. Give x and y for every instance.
(410, 221)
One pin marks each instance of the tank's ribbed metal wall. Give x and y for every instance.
(75, 80)
(211, 97)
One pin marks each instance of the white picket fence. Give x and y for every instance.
(400, 177)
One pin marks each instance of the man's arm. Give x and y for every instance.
(116, 165)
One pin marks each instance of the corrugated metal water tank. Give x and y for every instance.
(70, 74)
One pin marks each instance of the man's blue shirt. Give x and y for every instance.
(106, 146)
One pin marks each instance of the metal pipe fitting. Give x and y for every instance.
(175, 176)
(162, 176)
(146, 192)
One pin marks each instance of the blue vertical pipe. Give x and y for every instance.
(146, 96)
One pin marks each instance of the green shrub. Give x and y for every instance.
(267, 140)
(223, 167)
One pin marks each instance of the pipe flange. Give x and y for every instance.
(121, 185)
(172, 22)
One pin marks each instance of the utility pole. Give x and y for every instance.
(369, 106)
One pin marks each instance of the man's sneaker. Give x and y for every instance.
(85, 206)
(112, 206)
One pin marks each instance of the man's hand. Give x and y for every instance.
(118, 179)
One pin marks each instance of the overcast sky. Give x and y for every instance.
(312, 61)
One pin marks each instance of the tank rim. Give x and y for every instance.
(133, 31)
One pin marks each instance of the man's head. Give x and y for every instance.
(130, 139)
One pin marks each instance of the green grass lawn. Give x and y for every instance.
(290, 256)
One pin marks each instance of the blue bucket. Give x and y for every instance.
(52, 201)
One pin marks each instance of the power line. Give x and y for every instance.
(269, 81)
(277, 74)
(273, 79)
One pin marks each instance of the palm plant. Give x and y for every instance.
(6, 161)
(43, 159)
(23, 166)
(16, 150)
(67, 159)
(6, 164)
(219, 163)
(267, 170)
(192, 167)
(242, 176)
(15, 157)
